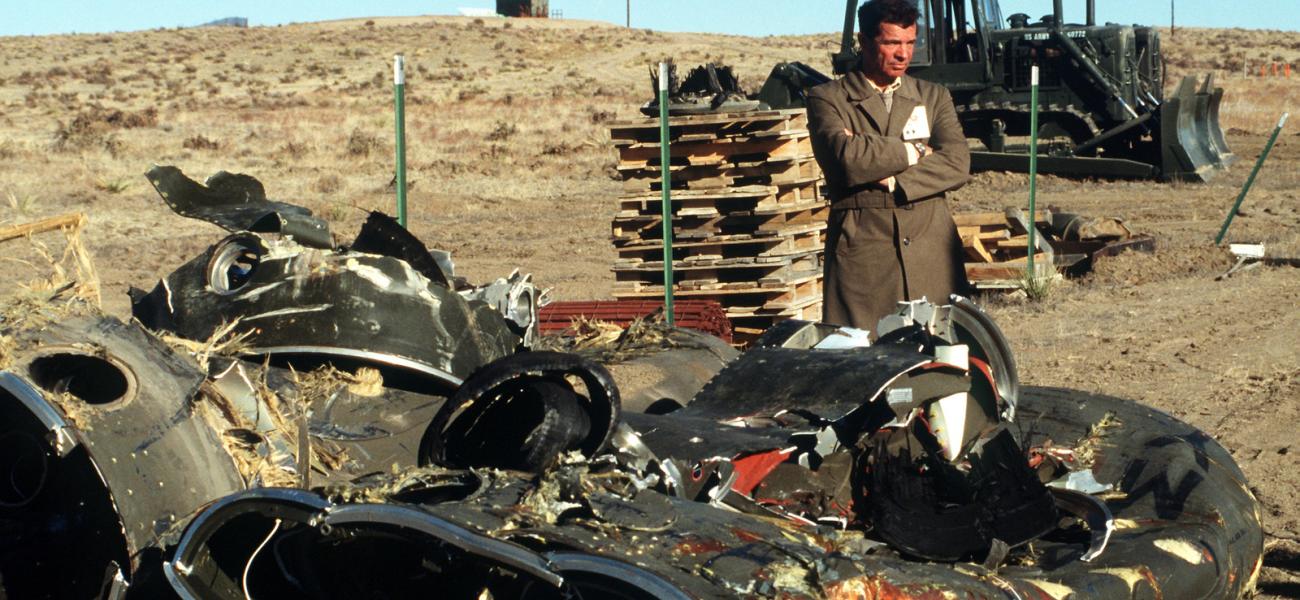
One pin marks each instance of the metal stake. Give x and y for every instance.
(666, 199)
(399, 92)
(1251, 180)
(1033, 167)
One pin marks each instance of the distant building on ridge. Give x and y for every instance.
(227, 22)
(524, 8)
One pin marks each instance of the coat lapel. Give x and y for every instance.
(906, 98)
(867, 99)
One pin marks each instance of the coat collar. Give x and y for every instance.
(906, 98)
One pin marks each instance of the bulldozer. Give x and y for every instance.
(1102, 107)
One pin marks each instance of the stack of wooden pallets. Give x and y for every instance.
(997, 247)
(748, 218)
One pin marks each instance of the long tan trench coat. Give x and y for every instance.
(881, 246)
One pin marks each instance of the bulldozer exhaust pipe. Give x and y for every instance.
(1092, 13)
(1058, 14)
(846, 59)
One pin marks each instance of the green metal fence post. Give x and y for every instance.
(666, 199)
(399, 92)
(1033, 169)
(1250, 181)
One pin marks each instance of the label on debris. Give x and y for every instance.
(899, 396)
(918, 125)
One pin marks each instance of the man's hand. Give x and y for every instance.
(847, 132)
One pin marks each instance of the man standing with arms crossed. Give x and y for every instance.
(890, 147)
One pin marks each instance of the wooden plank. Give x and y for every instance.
(630, 227)
(1020, 242)
(984, 232)
(733, 200)
(975, 249)
(1014, 269)
(717, 152)
(35, 227)
(801, 237)
(719, 124)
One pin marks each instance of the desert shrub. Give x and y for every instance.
(294, 149)
(502, 132)
(201, 142)
(93, 127)
(327, 184)
(362, 143)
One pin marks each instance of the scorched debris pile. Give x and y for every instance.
(288, 418)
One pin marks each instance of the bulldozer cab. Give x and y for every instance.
(954, 34)
(1102, 107)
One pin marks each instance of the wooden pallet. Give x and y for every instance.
(764, 171)
(739, 298)
(770, 222)
(696, 127)
(730, 273)
(996, 245)
(718, 152)
(794, 240)
(733, 200)
(747, 214)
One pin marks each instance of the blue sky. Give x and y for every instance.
(745, 17)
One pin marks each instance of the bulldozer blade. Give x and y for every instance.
(1192, 146)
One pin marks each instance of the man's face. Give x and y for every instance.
(886, 56)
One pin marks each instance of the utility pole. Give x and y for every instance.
(629, 13)
(1171, 19)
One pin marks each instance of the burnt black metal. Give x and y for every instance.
(830, 383)
(127, 457)
(237, 202)
(1192, 530)
(706, 89)
(931, 509)
(521, 412)
(382, 234)
(788, 84)
(313, 306)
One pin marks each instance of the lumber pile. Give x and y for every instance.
(748, 217)
(997, 247)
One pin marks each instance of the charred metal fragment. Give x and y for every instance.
(382, 235)
(355, 427)
(915, 410)
(237, 202)
(103, 451)
(523, 412)
(585, 528)
(309, 306)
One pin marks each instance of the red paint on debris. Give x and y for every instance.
(750, 470)
(693, 545)
(707, 316)
(745, 535)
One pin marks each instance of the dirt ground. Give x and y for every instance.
(511, 167)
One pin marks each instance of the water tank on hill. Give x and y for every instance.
(523, 8)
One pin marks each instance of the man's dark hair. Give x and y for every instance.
(874, 12)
